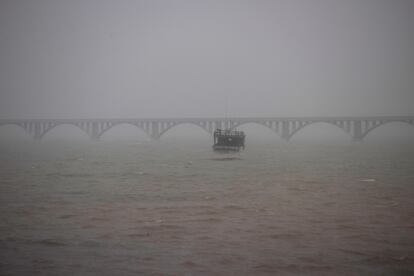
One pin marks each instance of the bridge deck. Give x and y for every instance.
(286, 127)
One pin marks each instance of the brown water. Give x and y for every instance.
(177, 208)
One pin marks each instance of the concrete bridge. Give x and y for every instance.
(356, 127)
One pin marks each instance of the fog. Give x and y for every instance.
(117, 59)
(116, 188)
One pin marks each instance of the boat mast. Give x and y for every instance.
(226, 106)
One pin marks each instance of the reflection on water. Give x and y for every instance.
(175, 207)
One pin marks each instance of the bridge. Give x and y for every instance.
(286, 127)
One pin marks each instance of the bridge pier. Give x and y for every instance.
(94, 132)
(357, 131)
(285, 131)
(155, 131)
(35, 129)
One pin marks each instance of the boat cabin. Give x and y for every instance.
(228, 140)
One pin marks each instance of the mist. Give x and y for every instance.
(148, 59)
(214, 137)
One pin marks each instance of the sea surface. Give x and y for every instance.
(174, 207)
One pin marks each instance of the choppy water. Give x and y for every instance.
(177, 208)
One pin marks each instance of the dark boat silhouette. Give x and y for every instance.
(228, 140)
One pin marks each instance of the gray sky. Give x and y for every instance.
(101, 58)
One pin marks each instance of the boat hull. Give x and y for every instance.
(226, 148)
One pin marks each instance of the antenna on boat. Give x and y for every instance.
(227, 118)
(226, 107)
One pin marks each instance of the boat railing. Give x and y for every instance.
(228, 132)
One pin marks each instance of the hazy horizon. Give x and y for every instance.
(168, 197)
(136, 59)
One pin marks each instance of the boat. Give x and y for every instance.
(228, 140)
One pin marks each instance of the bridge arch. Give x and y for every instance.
(59, 125)
(18, 127)
(255, 124)
(120, 124)
(319, 123)
(251, 122)
(394, 122)
(165, 130)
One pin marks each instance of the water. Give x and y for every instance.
(176, 208)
